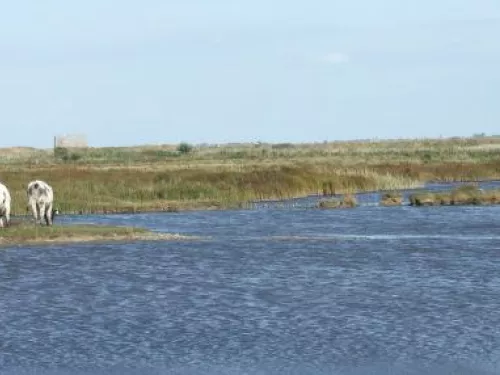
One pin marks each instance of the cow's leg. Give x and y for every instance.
(48, 214)
(34, 210)
(41, 212)
(7, 216)
(1, 222)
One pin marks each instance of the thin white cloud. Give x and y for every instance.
(336, 58)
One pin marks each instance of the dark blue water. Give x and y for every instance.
(374, 290)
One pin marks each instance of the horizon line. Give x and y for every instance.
(294, 143)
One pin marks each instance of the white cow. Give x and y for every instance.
(41, 200)
(4, 205)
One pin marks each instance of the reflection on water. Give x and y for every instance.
(368, 291)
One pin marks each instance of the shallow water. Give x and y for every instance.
(373, 290)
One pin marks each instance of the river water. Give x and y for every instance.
(273, 290)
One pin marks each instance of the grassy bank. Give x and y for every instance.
(171, 178)
(23, 233)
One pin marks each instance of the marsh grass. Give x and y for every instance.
(89, 190)
(163, 178)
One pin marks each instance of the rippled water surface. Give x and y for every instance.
(267, 291)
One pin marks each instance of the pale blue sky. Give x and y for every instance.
(164, 71)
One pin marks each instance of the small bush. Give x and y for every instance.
(442, 199)
(423, 199)
(75, 157)
(491, 197)
(465, 195)
(61, 153)
(391, 199)
(348, 201)
(185, 148)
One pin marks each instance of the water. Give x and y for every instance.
(373, 290)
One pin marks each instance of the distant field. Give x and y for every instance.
(173, 177)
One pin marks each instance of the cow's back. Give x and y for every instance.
(40, 191)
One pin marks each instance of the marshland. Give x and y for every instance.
(304, 286)
(404, 270)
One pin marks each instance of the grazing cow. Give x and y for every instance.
(4, 205)
(41, 200)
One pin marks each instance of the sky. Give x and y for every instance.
(128, 72)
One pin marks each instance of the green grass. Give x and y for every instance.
(25, 233)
